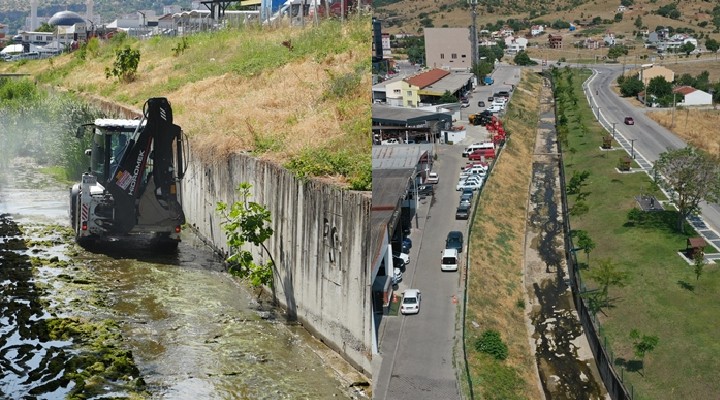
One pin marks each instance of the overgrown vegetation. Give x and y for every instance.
(42, 126)
(240, 88)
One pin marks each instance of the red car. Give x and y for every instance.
(629, 121)
(481, 154)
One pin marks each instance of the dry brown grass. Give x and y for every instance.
(698, 128)
(497, 250)
(277, 112)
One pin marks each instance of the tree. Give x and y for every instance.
(643, 344)
(691, 176)
(698, 264)
(638, 22)
(585, 243)
(687, 48)
(447, 97)
(605, 274)
(522, 58)
(482, 68)
(618, 17)
(415, 49)
(45, 27)
(659, 87)
(631, 86)
(125, 65)
(712, 45)
(616, 51)
(245, 222)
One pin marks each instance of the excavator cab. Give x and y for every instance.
(132, 182)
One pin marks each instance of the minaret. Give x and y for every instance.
(89, 10)
(33, 15)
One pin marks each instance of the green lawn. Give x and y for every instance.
(662, 296)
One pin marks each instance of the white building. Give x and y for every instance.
(515, 45)
(536, 30)
(692, 96)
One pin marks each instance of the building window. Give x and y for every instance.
(409, 93)
(409, 103)
(442, 56)
(463, 56)
(396, 91)
(453, 56)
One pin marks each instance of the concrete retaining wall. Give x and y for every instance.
(319, 243)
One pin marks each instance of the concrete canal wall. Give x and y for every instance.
(320, 241)
(319, 245)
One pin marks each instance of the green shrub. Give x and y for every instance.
(125, 65)
(491, 343)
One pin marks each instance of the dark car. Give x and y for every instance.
(454, 240)
(426, 190)
(629, 121)
(462, 212)
(467, 193)
(503, 93)
(481, 103)
(491, 98)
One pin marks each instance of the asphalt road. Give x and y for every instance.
(417, 350)
(650, 138)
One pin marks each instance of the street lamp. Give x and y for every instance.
(632, 148)
(613, 132)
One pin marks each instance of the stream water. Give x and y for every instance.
(192, 330)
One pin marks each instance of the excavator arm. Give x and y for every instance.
(153, 139)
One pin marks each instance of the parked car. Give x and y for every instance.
(426, 190)
(466, 197)
(629, 121)
(473, 182)
(410, 302)
(403, 256)
(406, 245)
(454, 240)
(465, 104)
(397, 276)
(462, 212)
(490, 98)
(432, 178)
(481, 103)
(449, 261)
(503, 93)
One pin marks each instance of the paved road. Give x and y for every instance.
(651, 138)
(417, 350)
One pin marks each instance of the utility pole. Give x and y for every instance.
(613, 133)
(672, 122)
(473, 32)
(632, 148)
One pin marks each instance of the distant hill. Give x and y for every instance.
(14, 12)
(702, 18)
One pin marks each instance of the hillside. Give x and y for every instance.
(409, 17)
(242, 90)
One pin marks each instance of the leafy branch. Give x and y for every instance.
(247, 222)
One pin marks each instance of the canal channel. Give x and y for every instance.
(125, 321)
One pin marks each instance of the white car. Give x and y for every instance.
(403, 256)
(397, 276)
(410, 302)
(432, 178)
(473, 182)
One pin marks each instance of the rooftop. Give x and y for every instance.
(425, 79)
(390, 115)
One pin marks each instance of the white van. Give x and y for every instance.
(449, 260)
(477, 146)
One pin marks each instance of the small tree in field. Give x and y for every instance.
(643, 344)
(698, 264)
(605, 274)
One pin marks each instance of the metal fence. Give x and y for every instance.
(604, 359)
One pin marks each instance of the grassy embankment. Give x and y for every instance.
(240, 89)
(662, 296)
(495, 287)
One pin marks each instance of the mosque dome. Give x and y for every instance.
(66, 18)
